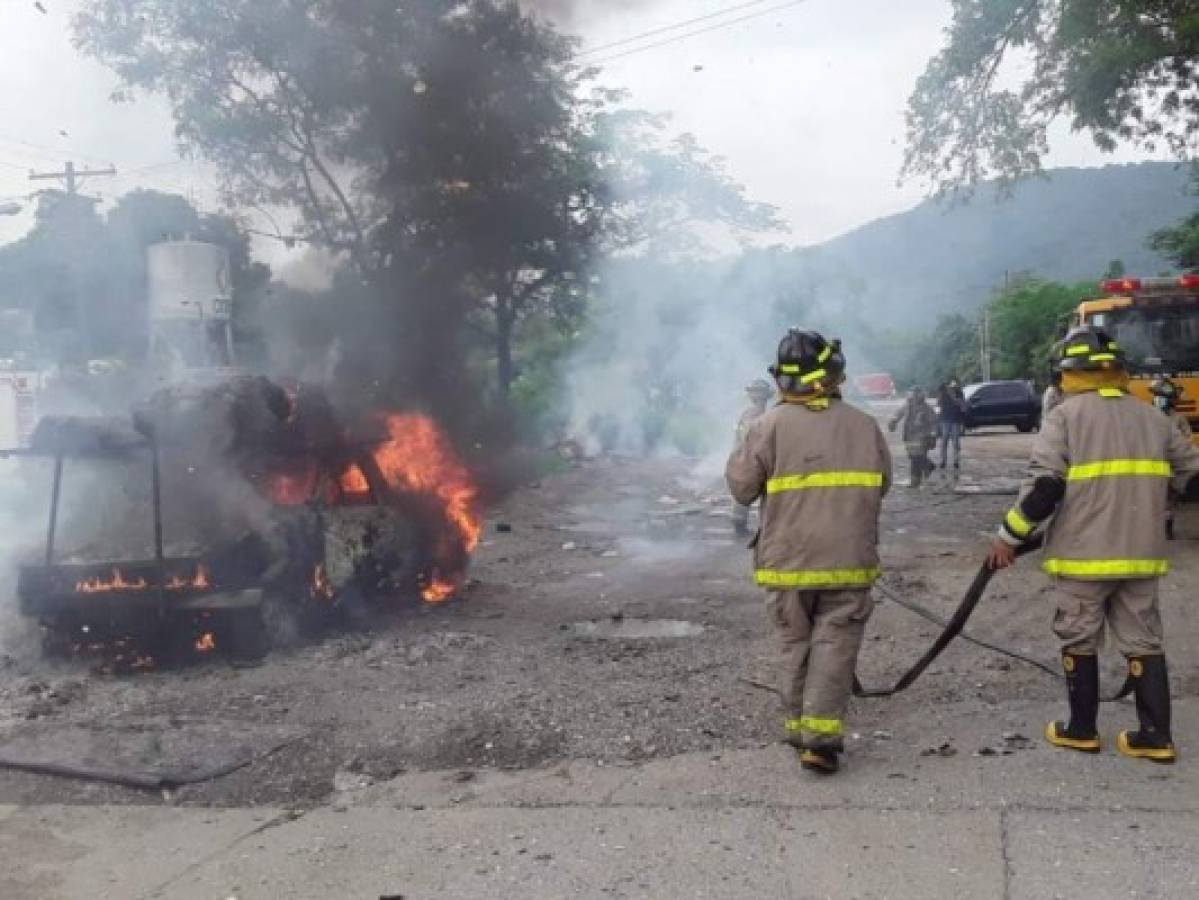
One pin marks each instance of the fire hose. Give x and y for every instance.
(954, 627)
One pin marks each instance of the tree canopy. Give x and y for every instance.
(451, 150)
(1124, 71)
(1180, 243)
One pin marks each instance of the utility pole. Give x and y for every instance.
(70, 176)
(985, 340)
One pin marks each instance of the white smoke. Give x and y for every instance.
(672, 347)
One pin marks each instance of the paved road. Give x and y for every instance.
(1034, 823)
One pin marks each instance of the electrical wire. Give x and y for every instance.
(699, 31)
(52, 153)
(591, 51)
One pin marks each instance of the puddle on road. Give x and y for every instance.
(636, 629)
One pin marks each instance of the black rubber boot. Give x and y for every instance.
(1151, 682)
(823, 761)
(1082, 689)
(917, 467)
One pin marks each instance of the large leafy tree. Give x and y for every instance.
(1026, 318)
(1124, 71)
(449, 149)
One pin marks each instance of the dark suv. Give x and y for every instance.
(1003, 403)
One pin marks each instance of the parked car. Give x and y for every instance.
(993, 403)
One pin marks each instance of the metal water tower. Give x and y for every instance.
(190, 304)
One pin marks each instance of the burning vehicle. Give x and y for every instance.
(238, 515)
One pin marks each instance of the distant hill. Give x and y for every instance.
(941, 258)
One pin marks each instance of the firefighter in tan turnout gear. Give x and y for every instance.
(1101, 469)
(821, 468)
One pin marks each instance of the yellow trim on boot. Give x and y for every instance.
(1084, 745)
(1156, 754)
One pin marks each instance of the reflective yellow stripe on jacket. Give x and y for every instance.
(819, 578)
(1107, 568)
(824, 480)
(1114, 468)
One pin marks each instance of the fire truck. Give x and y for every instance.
(1156, 322)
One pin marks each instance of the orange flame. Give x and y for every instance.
(98, 585)
(206, 643)
(200, 581)
(288, 488)
(353, 481)
(440, 589)
(322, 588)
(417, 459)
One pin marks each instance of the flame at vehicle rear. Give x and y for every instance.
(417, 459)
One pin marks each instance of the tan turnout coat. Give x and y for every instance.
(822, 474)
(1118, 457)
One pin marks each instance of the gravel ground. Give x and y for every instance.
(513, 675)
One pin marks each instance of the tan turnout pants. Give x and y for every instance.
(821, 634)
(1129, 607)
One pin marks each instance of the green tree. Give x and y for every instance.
(1125, 71)
(950, 351)
(450, 149)
(1025, 321)
(1180, 243)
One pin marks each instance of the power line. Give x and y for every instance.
(141, 170)
(697, 32)
(51, 153)
(675, 27)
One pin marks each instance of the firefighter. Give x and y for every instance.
(919, 433)
(1101, 467)
(1166, 395)
(759, 393)
(821, 468)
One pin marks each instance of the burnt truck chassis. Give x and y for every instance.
(169, 603)
(164, 599)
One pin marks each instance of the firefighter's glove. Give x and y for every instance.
(1192, 492)
(1037, 506)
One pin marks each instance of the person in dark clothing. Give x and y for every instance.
(919, 433)
(951, 423)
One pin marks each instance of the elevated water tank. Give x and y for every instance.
(189, 280)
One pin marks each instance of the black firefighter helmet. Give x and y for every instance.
(808, 364)
(1088, 349)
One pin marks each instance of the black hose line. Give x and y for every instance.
(954, 627)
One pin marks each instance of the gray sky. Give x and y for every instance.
(806, 104)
